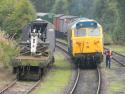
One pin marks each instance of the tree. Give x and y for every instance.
(15, 14)
(61, 7)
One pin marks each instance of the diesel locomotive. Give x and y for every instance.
(85, 41)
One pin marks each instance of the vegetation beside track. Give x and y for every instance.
(8, 50)
(58, 78)
(117, 48)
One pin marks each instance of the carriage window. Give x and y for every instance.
(94, 32)
(80, 33)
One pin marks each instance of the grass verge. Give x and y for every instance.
(117, 48)
(57, 79)
(7, 50)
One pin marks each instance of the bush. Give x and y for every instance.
(15, 14)
(8, 49)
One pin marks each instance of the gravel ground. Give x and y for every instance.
(6, 77)
(20, 88)
(87, 82)
(113, 80)
(119, 58)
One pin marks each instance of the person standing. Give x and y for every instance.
(108, 54)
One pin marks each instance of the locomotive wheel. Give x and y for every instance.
(53, 59)
(44, 70)
(18, 74)
(14, 70)
(39, 74)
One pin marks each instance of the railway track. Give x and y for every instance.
(119, 58)
(18, 87)
(88, 82)
(84, 78)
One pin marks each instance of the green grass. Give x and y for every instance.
(57, 79)
(116, 86)
(117, 48)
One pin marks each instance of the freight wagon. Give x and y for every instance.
(37, 46)
(46, 16)
(64, 21)
(56, 21)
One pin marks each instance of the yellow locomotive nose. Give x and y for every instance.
(87, 45)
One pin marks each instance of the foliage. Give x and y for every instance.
(15, 14)
(8, 49)
(111, 14)
(43, 5)
(62, 10)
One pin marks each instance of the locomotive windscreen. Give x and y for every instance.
(86, 24)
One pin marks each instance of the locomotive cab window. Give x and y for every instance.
(94, 32)
(80, 33)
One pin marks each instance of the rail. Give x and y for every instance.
(76, 82)
(8, 86)
(117, 60)
(99, 81)
(12, 86)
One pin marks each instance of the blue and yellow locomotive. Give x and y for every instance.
(85, 41)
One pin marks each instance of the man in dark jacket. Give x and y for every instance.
(108, 54)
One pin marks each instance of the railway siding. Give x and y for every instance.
(58, 78)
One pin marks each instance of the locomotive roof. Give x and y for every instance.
(73, 24)
(41, 14)
(39, 20)
(67, 17)
(58, 15)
